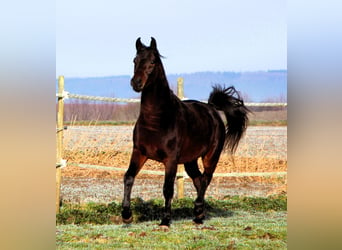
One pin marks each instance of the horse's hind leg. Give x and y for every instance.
(202, 181)
(209, 163)
(195, 174)
(136, 163)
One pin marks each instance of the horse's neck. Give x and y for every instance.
(157, 102)
(156, 98)
(157, 94)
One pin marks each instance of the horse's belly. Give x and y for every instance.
(152, 148)
(161, 148)
(191, 152)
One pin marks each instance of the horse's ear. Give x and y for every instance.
(153, 44)
(139, 45)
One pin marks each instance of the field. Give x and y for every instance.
(263, 149)
(238, 230)
(233, 223)
(242, 212)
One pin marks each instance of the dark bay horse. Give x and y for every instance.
(174, 132)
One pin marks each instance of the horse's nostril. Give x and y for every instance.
(137, 81)
(137, 84)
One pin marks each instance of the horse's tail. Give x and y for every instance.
(229, 101)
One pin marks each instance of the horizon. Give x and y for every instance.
(257, 85)
(180, 74)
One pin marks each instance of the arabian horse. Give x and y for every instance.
(173, 132)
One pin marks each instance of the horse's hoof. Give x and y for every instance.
(127, 216)
(165, 223)
(127, 221)
(198, 221)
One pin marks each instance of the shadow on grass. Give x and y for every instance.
(95, 213)
(181, 209)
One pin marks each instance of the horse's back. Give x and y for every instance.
(202, 112)
(201, 128)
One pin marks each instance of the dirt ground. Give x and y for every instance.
(227, 164)
(261, 150)
(80, 185)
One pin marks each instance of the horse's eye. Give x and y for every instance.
(153, 62)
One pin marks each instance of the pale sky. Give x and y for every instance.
(97, 38)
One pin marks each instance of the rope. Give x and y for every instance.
(99, 98)
(246, 174)
(67, 95)
(61, 164)
(63, 95)
(154, 172)
(265, 104)
(61, 129)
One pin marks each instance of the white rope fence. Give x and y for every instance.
(182, 174)
(67, 95)
(266, 104)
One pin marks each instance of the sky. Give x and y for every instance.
(97, 38)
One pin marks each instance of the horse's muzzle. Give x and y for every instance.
(137, 84)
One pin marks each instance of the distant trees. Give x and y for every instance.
(78, 110)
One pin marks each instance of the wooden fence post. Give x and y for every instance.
(59, 140)
(180, 174)
(180, 87)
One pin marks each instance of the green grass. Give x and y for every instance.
(241, 230)
(96, 213)
(233, 223)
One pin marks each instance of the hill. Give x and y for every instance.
(256, 86)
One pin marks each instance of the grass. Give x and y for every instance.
(233, 223)
(152, 210)
(241, 231)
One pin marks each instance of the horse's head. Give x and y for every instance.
(145, 63)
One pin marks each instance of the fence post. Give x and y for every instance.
(180, 174)
(59, 140)
(180, 87)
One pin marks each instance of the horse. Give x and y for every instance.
(174, 132)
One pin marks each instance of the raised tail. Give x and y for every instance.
(229, 101)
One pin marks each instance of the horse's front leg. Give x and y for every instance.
(136, 163)
(168, 190)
